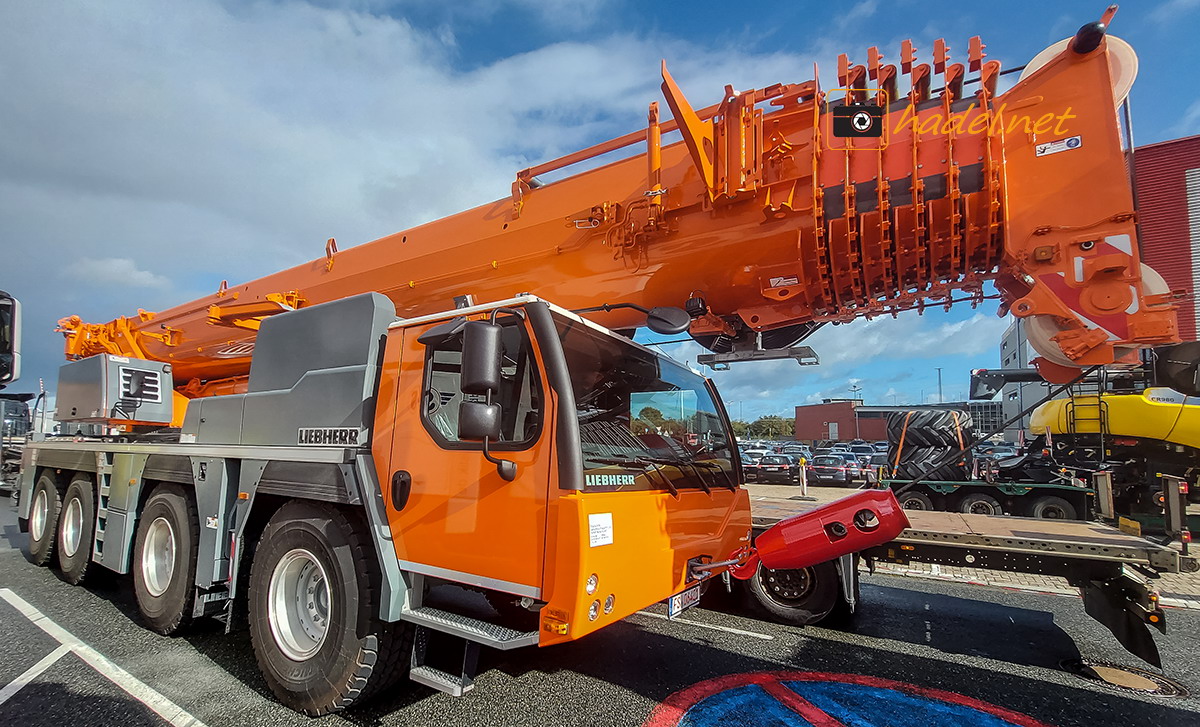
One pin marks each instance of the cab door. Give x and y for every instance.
(462, 521)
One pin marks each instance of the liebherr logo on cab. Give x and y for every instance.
(328, 435)
(608, 480)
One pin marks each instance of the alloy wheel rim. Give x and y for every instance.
(158, 556)
(72, 530)
(298, 604)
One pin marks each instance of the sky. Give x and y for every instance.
(151, 149)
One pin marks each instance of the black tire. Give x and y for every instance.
(166, 587)
(978, 503)
(931, 428)
(1053, 508)
(915, 500)
(796, 597)
(355, 653)
(932, 463)
(76, 523)
(45, 505)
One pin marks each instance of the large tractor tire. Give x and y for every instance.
(76, 525)
(923, 463)
(931, 428)
(314, 611)
(164, 559)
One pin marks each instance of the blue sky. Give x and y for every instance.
(153, 149)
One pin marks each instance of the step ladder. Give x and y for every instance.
(472, 631)
(1088, 407)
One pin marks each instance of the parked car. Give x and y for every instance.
(834, 468)
(779, 468)
(755, 454)
(840, 447)
(880, 446)
(998, 451)
(750, 468)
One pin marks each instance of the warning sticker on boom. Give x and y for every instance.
(1054, 147)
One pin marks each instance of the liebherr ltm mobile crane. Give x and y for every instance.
(331, 440)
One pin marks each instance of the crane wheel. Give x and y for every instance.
(314, 611)
(797, 597)
(76, 525)
(977, 503)
(164, 559)
(45, 505)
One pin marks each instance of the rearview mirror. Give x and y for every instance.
(10, 339)
(478, 421)
(480, 358)
(667, 320)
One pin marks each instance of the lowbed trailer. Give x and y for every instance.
(1113, 570)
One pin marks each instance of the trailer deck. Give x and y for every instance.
(1114, 570)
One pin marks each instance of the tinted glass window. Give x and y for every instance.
(776, 460)
(520, 394)
(829, 461)
(644, 421)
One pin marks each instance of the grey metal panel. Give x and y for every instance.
(214, 500)
(307, 480)
(394, 590)
(79, 460)
(332, 398)
(169, 468)
(313, 368)
(96, 388)
(332, 335)
(116, 512)
(295, 454)
(215, 419)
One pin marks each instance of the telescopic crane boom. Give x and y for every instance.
(762, 220)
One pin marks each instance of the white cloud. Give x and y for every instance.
(115, 272)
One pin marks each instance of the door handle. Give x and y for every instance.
(401, 488)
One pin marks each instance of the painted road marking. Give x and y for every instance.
(726, 629)
(33, 672)
(135, 687)
(821, 699)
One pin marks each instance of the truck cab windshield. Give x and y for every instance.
(645, 422)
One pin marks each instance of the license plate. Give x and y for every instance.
(775, 469)
(681, 602)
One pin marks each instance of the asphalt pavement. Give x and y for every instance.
(913, 638)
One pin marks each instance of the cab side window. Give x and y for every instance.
(520, 394)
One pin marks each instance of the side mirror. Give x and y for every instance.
(480, 358)
(667, 320)
(10, 339)
(478, 422)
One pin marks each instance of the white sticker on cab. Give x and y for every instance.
(600, 529)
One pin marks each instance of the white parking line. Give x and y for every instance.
(726, 629)
(136, 688)
(32, 672)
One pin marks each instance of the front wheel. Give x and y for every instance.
(798, 597)
(314, 611)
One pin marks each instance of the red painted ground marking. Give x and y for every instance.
(673, 708)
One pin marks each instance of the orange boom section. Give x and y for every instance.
(763, 220)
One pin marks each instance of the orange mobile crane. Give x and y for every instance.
(357, 429)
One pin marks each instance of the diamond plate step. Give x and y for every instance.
(471, 629)
(439, 680)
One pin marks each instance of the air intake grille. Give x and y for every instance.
(141, 385)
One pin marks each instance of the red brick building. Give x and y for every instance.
(1167, 180)
(837, 420)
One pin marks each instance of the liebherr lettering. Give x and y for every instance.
(328, 435)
